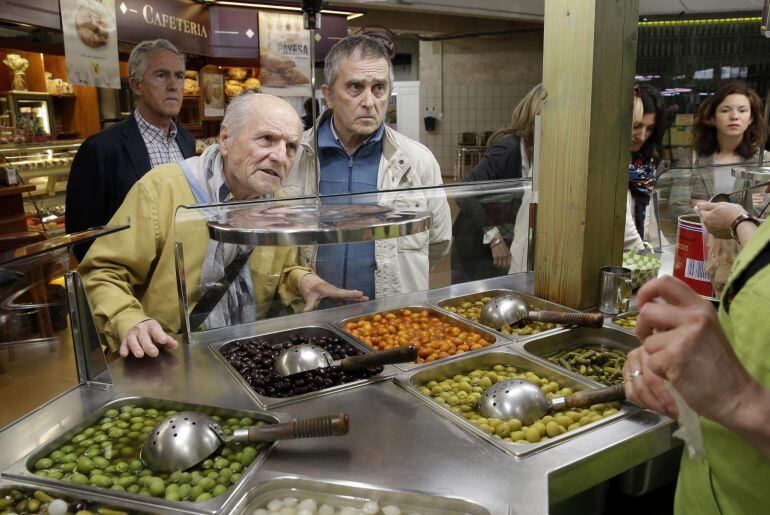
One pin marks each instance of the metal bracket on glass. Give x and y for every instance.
(531, 235)
(89, 356)
(752, 173)
(764, 28)
(181, 288)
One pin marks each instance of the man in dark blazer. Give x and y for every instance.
(109, 163)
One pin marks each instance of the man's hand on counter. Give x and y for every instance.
(313, 289)
(145, 338)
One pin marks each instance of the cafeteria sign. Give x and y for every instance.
(90, 42)
(183, 22)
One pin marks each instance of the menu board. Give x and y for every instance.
(90, 42)
(284, 55)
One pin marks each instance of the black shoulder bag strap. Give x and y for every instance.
(211, 297)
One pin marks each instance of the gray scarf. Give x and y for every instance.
(209, 186)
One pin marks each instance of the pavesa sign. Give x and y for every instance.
(183, 22)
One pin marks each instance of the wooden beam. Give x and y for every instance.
(589, 59)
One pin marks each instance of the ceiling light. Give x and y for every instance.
(350, 15)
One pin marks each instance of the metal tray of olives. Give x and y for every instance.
(353, 495)
(75, 501)
(22, 469)
(534, 302)
(265, 401)
(412, 381)
(614, 322)
(461, 323)
(597, 339)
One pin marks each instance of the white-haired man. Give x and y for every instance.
(109, 163)
(356, 153)
(130, 276)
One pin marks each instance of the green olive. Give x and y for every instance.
(43, 463)
(157, 487)
(79, 479)
(206, 484)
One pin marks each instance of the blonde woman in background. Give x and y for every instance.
(632, 240)
(487, 224)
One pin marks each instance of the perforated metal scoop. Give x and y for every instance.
(517, 398)
(183, 440)
(304, 357)
(510, 309)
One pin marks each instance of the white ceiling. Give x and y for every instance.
(533, 9)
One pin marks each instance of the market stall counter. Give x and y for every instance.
(396, 442)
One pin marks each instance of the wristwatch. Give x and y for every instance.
(739, 220)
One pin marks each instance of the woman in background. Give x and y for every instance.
(485, 225)
(646, 150)
(728, 129)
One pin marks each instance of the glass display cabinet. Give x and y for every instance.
(31, 112)
(45, 166)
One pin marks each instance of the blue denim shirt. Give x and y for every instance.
(352, 265)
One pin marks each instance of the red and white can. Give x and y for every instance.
(689, 262)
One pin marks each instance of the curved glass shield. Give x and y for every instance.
(245, 261)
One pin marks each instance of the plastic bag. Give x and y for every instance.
(718, 257)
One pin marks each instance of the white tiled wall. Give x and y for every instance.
(475, 83)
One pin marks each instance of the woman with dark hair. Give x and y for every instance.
(646, 149)
(729, 126)
(728, 129)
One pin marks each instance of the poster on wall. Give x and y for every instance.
(90, 42)
(212, 84)
(284, 55)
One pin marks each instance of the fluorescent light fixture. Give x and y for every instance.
(350, 15)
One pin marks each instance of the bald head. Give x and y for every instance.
(242, 109)
(258, 140)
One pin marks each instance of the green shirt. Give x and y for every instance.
(734, 478)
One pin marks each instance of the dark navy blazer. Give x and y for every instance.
(105, 168)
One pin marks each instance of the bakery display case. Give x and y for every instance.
(45, 166)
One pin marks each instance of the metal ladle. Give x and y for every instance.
(725, 197)
(523, 400)
(187, 438)
(510, 309)
(304, 357)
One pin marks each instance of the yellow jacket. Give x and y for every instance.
(130, 276)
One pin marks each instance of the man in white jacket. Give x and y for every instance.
(356, 152)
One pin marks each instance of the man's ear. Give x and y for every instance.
(135, 86)
(328, 95)
(224, 139)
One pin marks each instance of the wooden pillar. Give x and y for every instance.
(589, 59)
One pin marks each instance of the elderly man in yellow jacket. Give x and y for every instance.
(130, 276)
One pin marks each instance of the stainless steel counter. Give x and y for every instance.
(395, 441)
